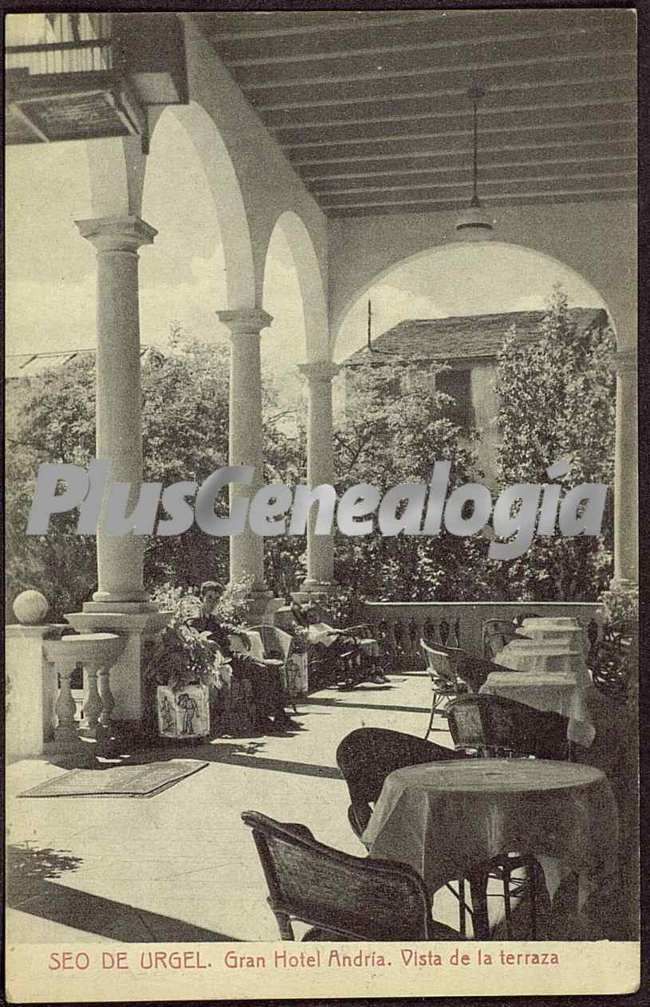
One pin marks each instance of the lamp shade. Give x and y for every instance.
(475, 224)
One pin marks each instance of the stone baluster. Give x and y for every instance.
(92, 704)
(95, 652)
(66, 730)
(107, 700)
(429, 630)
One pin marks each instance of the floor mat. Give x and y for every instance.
(120, 781)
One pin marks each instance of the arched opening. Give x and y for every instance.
(294, 297)
(200, 263)
(201, 260)
(460, 279)
(517, 410)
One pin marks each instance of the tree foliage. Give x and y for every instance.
(51, 418)
(557, 401)
(395, 426)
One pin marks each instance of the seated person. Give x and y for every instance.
(338, 644)
(266, 682)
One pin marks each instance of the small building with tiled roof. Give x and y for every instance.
(469, 345)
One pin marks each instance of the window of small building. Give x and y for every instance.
(457, 384)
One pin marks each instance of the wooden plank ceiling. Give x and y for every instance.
(372, 109)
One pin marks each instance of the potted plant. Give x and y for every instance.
(620, 606)
(179, 665)
(617, 654)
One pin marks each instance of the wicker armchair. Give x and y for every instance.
(442, 665)
(368, 755)
(349, 665)
(478, 723)
(340, 896)
(497, 633)
(277, 647)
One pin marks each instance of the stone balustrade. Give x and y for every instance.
(40, 708)
(96, 653)
(401, 625)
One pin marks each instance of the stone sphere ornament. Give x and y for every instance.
(30, 608)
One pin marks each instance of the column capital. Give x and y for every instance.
(319, 370)
(117, 234)
(245, 321)
(625, 361)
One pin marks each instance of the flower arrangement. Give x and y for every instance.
(620, 606)
(180, 655)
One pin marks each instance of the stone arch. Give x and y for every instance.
(439, 251)
(310, 281)
(231, 218)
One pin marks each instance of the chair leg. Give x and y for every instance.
(506, 904)
(284, 925)
(462, 908)
(430, 727)
(480, 916)
(436, 704)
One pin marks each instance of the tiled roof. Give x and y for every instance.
(469, 336)
(25, 365)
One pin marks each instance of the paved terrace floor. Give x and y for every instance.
(181, 866)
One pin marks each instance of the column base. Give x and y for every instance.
(626, 583)
(311, 587)
(126, 607)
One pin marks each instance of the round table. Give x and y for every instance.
(444, 818)
(547, 675)
(558, 628)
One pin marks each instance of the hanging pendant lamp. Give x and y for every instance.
(474, 223)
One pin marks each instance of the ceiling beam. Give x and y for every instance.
(420, 43)
(420, 61)
(522, 74)
(463, 108)
(566, 159)
(345, 24)
(545, 200)
(484, 184)
(555, 122)
(505, 197)
(565, 142)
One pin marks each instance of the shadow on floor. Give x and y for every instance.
(341, 704)
(30, 889)
(231, 753)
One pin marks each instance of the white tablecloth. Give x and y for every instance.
(443, 818)
(548, 675)
(567, 631)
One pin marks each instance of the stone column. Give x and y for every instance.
(626, 569)
(245, 445)
(119, 422)
(320, 469)
(120, 604)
